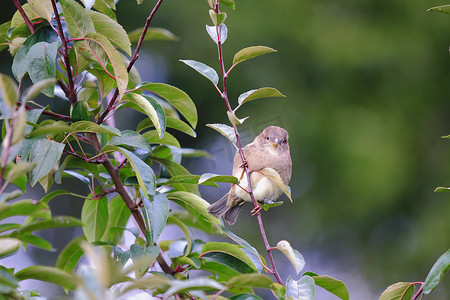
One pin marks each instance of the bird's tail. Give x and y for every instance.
(220, 208)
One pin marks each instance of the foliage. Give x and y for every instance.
(81, 56)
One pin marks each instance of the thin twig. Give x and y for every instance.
(224, 95)
(24, 16)
(48, 113)
(70, 91)
(132, 61)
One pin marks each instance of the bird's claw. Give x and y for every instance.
(256, 211)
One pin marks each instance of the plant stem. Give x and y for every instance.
(120, 189)
(70, 92)
(132, 61)
(224, 95)
(48, 113)
(24, 16)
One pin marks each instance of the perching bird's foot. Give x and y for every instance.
(256, 211)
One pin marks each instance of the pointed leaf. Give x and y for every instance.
(168, 139)
(144, 173)
(334, 286)
(49, 274)
(230, 249)
(203, 69)
(259, 93)
(25, 208)
(443, 9)
(225, 130)
(275, 178)
(70, 255)
(217, 18)
(41, 64)
(229, 3)
(251, 52)
(152, 34)
(158, 211)
(77, 19)
(217, 178)
(293, 255)
(152, 108)
(234, 120)
(252, 280)
(87, 126)
(112, 30)
(185, 249)
(130, 138)
(8, 90)
(45, 154)
(176, 97)
(439, 269)
(303, 289)
(223, 31)
(398, 291)
(206, 284)
(55, 222)
(94, 216)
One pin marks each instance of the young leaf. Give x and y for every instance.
(144, 174)
(302, 289)
(223, 32)
(234, 120)
(229, 3)
(217, 19)
(152, 108)
(398, 291)
(334, 286)
(176, 97)
(94, 216)
(8, 90)
(275, 178)
(443, 9)
(203, 69)
(259, 93)
(49, 274)
(439, 269)
(8, 246)
(152, 34)
(225, 130)
(251, 52)
(293, 255)
(158, 211)
(45, 154)
(41, 64)
(112, 30)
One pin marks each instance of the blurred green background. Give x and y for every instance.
(367, 85)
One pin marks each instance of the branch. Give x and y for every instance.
(120, 189)
(47, 113)
(70, 90)
(132, 61)
(224, 95)
(24, 16)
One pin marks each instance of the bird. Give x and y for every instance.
(270, 149)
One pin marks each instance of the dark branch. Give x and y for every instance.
(47, 113)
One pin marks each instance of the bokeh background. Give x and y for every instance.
(367, 86)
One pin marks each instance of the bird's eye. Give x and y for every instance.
(267, 138)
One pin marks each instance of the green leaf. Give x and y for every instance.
(229, 3)
(225, 130)
(398, 291)
(222, 271)
(77, 19)
(443, 9)
(120, 214)
(79, 112)
(45, 154)
(9, 226)
(158, 211)
(217, 178)
(439, 269)
(94, 216)
(203, 69)
(205, 284)
(8, 90)
(55, 222)
(40, 86)
(334, 286)
(168, 139)
(275, 178)
(112, 30)
(176, 97)
(179, 125)
(43, 9)
(245, 296)
(49, 274)
(152, 108)
(130, 138)
(41, 64)
(100, 47)
(143, 257)
(35, 241)
(258, 94)
(293, 255)
(19, 171)
(234, 120)
(229, 249)
(24, 208)
(8, 246)
(152, 34)
(87, 126)
(186, 249)
(266, 206)
(251, 52)
(252, 280)
(70, 255)
(144, 173)
(217, 19)
(302, 289)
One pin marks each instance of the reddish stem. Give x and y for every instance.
(24, 16)
(47, 113)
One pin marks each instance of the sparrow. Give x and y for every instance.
(270, 149)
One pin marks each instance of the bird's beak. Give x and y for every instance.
(275, 143)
